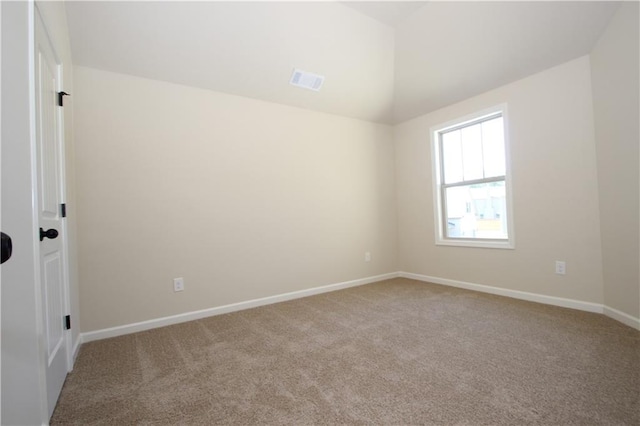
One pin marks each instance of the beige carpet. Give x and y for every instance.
(394, 352)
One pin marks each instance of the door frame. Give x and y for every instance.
(62, 184)
(39, 15)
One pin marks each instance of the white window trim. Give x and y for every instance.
(440, 239)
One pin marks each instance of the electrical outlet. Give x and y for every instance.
(561, 267)
(367, 257)
(178, 284)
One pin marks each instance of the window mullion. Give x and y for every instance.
(473, 182)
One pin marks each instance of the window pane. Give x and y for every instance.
(493, 147)
(452, 153)
(472, 151)
(477, 211)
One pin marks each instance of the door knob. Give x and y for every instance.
(7, 247)
(49, 233)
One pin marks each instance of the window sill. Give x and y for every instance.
(492, 244)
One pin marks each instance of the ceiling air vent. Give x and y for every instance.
(306, 80)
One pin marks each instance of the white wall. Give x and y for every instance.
(555, 193)
(615, 73)
(247, 199)
(243, 198)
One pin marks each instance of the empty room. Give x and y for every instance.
(320, 212)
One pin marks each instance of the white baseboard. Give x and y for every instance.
(622, 317)
(194, 315)
(76, 349)
(515, 294)
(531, 297)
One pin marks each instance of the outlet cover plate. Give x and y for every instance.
(178, 284)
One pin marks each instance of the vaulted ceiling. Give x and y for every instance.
(383, 61)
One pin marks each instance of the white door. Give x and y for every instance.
(50, 191)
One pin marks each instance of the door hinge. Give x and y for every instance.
(67, 322)
(63, 210)
(61, 96)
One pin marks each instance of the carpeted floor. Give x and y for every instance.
(394, 352)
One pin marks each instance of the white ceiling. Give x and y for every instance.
(448, 52)
(410, 59)
(387, 12)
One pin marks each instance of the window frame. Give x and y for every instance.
(439, 187)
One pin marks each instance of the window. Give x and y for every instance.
(471, 181)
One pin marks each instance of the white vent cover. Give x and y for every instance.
(306, 80)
